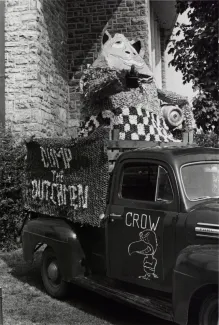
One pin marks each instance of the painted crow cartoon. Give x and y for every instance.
(147, 246)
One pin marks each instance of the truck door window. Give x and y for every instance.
(146, 182)
(164, 190)
(139, 182)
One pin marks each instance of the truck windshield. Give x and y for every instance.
(201, 180)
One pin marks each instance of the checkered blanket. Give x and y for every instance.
(133, 123)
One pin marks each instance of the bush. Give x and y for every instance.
(210, 139)
(12, 158)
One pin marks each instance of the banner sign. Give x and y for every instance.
(68, 178)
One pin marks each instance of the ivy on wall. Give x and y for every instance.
(12, 159)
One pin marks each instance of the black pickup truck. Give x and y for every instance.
(157, 246)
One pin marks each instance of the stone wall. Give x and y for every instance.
(86, 21)
(21, 65)
(37, 99)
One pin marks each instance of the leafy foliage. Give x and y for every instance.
(195, 54)
(11, 180)
(210, 139)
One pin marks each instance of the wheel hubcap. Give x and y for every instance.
(53, 271)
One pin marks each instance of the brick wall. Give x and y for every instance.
(52, 52)
(86, 21)
(37, 98)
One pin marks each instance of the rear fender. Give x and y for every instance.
(61, 237)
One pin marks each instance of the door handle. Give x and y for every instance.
(115, 216)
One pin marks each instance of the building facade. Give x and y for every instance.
(48, 43)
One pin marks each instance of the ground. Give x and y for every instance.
(26, 303)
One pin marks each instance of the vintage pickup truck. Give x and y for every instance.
(157, 244)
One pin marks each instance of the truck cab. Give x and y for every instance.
(157, 244)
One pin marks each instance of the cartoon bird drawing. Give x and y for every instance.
(147, 246)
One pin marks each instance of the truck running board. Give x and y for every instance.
(151, 305)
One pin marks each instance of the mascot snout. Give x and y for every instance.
(137, 247)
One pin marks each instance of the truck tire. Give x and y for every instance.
(51, 275)
(209, 311)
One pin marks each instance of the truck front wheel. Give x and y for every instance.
(51, 276)
(209, 311)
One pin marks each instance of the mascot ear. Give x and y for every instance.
(137, 46)
(106, 37)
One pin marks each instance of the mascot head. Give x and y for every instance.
(147, 245)
(119, 53)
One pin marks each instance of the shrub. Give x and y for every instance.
(12, 158)
(210, 139)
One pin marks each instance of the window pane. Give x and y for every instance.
(164, 190)
(201, 180)
(139, 182)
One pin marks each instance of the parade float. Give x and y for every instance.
(70, 177)
(143, 231)
(119, 91)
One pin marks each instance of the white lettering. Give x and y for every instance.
(60, 196)
(135, 219)
(144, 219)
(68, 157)
(59, 193)
(45, 184)
(59, 177)
(126, 219)
(64, 194)
(152, 226)
(51, 153)
(44, 157)
(34, 189)
(61, 152)
(82, 196)
(55, 157)
(73, 196)
(52, 194)
(50, 157)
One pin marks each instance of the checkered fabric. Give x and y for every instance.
(133, 123)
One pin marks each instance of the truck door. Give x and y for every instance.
(141, 224)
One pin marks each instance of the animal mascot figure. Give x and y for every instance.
(119, 92)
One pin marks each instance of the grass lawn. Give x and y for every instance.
(26, 303)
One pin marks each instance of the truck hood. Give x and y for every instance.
(203, 222)
(208, 205)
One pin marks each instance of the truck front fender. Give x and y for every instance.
(61, 237)
(196, 267)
